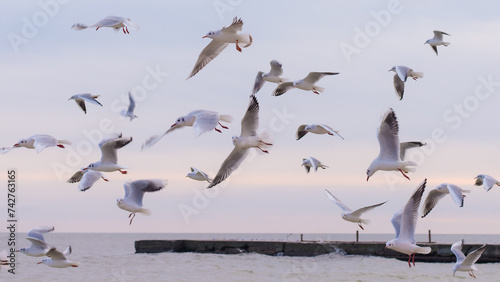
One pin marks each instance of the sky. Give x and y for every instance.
(453, 108)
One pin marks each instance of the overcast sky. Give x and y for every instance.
(453, 108)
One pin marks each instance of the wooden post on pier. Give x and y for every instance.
(301, 237)
(430, 240)
(357, 235)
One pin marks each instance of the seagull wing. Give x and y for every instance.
(109, 148)
(399, 86)
(337, 201)
(77, 176)
(402, 72)
(396, 221)
(152, 140)
(131, 105)
(90, 98)
(438, 35)
(55, 254)
(81, 104)
(456, 249)
(362, 210)
(212, 50)
(204, 121)
(489, 182)
(434, 48)
(330, 130)
(38, 244)
(4, 150)
(313, 77)
(314, 163)
(235, 26)
(388, 137)
(250, 122)
(409, 216)
(37, 233)
(43, 141)
(403, 146)
(259, 82)
(282, 88)
(456, 194)
(229, 165)
(431, 201)
(301, 131)
(89, 178)
(109, 21)
(472, 257)
(276, 68)
(139, 187)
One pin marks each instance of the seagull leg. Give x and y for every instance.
(315, 91)
(126, 27)
(218, 130)
(238, 47)
(225, 127)
(413, 260)
(359, 224)
(97, 28)
(60, 145)
(268, 144)
(404, 174)
(263, 151)
(104, 179)
(131, 218)
(122, 171)
(409, 259)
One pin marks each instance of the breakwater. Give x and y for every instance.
(439, 253)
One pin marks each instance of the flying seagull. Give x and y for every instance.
(437, 40)
(272, 76)
(308, 83)
(80, 100)
(466, 264)
(220, 40)
(247, 139)
(400, 77)
(441, 191)
(114, 22)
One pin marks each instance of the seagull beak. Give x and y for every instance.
(85, 168)
(368, 177)
(205, 36)
(39, 262)
(16, 145)
(173, 125)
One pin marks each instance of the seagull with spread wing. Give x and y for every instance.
(348, 214)
(249, 138)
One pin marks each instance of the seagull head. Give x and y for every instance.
(428, 41)
(179, 122)
(45, 260)
(390, 244)
(369, 172)
(210, 34)
(235, 140)
(21, 143)
(393, 69)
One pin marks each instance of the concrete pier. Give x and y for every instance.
(439, 253)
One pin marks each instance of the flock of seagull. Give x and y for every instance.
(390, 158)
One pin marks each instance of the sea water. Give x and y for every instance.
(111, 257)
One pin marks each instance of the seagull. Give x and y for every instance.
(272, 76)
(403, 146)
(37, 142)
(405, 222)
(439, 192)
(198, 175)
(248, 139)
(312, 163)
(201, 120)
(134, 192)
(437, 40)
(38, 246)
(81, 98)
(58, 259)
(87, 178)
(466, 263)
(348, 214)
(307, 83)
(400, 77)
(315, 128)
(110, 21)
(220, 40)
(130, 111)
(109, 159)
(389, 155)
(487, 180)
